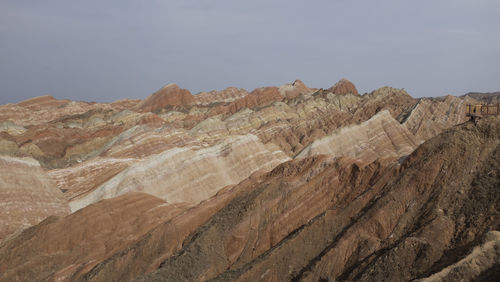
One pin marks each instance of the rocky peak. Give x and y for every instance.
(344, 87)
(294, 89)
(169, 95)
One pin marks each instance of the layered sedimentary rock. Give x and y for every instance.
(107, 131)
(394, 224)
(258, 97)
(27, 195)
(43, 109)
(430, 117)
(190, 175)
(229, 94)
(343, 87)
(294, 89)
(76, 243)
(134, 227)
(169, 95)
(282, 183)
(380, 136)
(348, 220)
(74, 180)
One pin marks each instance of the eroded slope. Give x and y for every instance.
(442, 201)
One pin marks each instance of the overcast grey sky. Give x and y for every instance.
(107, 50)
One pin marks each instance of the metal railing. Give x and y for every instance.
(480, 110)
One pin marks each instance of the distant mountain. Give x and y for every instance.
(489, 97)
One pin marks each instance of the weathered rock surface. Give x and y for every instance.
(354, 222)
(188, 175)
(380, 136)
(343, 87)
(237, 186)
(294, 89)
(229, 94)
(259, 97)
(169, 95)
(63, 248)
(43, 109)
(27, 195)
(430, 117)
(74, 180)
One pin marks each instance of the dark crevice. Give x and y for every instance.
(309, 266)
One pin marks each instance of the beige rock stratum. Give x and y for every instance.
(380, 136)
(189, 174)
(27, 195)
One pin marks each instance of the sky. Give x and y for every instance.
(107, 50)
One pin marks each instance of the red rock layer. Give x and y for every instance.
(343, 87)
(74, 244)
(67, 248)
(170, 95)
(259, 97)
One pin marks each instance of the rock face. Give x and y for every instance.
(292, 90)
(380, 136)
(343, 87)
(41, 110)
(77, 242)
(27, 195)
(169, 95)
(430, 117)
(394, 223)
(282, 183)
(186, 175)
(229, 94)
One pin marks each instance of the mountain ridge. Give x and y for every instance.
(232, 185)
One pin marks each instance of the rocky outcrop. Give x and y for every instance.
(294, 89)
(259, 97)
(430, 117)
(227, 95)
(380, 136)
(169, 95)
(343, 87)
(41, 110)
(27, 195)
(189, 175)
(74, 180)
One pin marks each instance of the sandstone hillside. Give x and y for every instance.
(275, 184)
